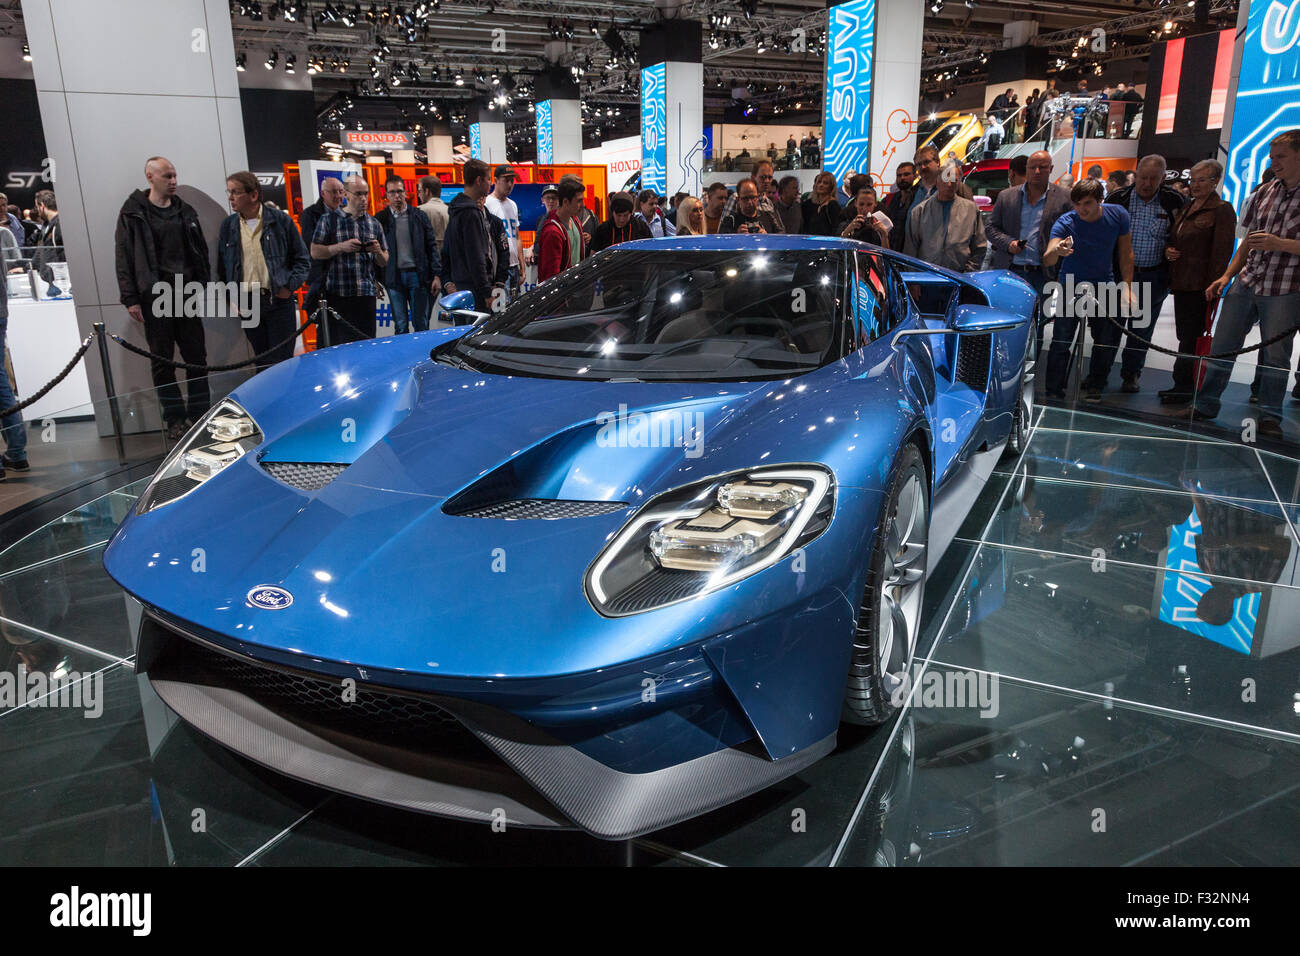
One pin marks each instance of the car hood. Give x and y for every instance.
(382, 576)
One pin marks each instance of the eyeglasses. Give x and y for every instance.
(747, 198)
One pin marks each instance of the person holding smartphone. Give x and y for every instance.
(353, 242)
(1266, 270)
(1086, 242)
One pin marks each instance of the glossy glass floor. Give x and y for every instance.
(1109, 674)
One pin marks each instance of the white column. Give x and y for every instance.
(116, 86)
(487, 136)
(896, 86)
(672, 108)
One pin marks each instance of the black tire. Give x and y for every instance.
(1018, 440)
(867, 694)
(1022, 417)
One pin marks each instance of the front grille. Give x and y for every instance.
(973, 360)
(540, 508)
(307, 475)
(376, 713)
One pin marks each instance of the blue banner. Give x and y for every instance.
(847, 111)
(475, 143)
(1268, 94)
(545, 141)
(654, 128)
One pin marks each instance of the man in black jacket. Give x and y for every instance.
(160, 244)
(467, 251)
(413, 260)
(331, 197)
(259, 244)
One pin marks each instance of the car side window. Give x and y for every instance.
(871, 296)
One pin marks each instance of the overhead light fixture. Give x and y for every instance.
(272, 60)
(241, 61)
(27, 53)
(289, 63)
(459, 80)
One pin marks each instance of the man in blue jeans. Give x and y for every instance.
(413, 261)
(15, 432)
(1266, 267)
(1087, 242)
(1152, 207)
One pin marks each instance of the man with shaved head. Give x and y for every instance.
(159, 241)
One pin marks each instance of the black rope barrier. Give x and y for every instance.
(189, 366)
(1210, 355)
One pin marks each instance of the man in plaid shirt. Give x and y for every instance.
(1267, 269)
(353, 242)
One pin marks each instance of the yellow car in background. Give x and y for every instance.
(950, 132)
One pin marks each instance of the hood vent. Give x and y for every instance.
(536, 508)
(306, 475)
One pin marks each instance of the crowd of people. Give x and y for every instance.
(1135, 227)
(1010, 121)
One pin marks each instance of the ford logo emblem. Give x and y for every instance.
(269, 597)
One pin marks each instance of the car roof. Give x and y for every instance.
(722, 242)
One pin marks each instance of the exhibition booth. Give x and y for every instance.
(738, 550)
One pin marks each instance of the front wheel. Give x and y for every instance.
(889, 619)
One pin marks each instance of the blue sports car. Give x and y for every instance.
(617, 555)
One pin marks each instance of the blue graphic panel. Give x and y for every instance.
(847, 111)
(1184, 587)
(1268, 95)
(654, 128)
(475, 141)
(545, 140)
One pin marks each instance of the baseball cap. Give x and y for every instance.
(503, 170)
(551, 188)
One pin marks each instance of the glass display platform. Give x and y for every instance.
(1107, 676)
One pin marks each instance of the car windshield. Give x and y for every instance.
(928, 126)
(650, 315)
(945, 135)
(987, 182)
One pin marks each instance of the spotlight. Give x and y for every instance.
(241, 61)
(27, 53)
(289, 63)
(936, 7)
(272, 60)
(459, 80)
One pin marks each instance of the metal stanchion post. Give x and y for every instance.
(102, 336)
(323, 326)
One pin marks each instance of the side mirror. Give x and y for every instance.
(968, 320)
(468, 316)
(971, 319)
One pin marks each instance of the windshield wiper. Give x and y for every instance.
(454, 360)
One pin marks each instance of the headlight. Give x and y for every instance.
(708, 535)
(223, 436)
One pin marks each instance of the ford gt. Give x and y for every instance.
(629, 549)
